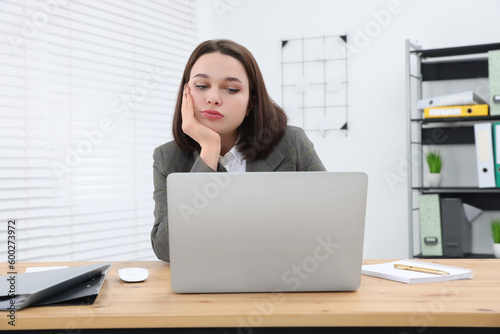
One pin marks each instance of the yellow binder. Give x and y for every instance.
(456, 111)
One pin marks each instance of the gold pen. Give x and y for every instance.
(422, 270)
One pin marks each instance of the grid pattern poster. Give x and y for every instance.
(314, 82)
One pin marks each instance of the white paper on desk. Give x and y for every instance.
(387, 271)
(36, 269)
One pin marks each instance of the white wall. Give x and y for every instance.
(376, 141)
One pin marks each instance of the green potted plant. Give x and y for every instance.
(495, 232)
(435, 162)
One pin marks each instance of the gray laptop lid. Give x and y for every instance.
(261, 232)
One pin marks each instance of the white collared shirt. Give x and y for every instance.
(233, 161)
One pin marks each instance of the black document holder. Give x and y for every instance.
(78, 285)
(84, 293)
(457, 231)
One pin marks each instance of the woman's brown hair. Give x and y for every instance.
(262, 128)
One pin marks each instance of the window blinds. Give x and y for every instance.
(87, 91)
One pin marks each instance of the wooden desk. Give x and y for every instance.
(377, 303)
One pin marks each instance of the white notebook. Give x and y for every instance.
(387, 271)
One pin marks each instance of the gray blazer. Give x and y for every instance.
(295, 152)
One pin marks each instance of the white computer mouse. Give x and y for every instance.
(132, 275)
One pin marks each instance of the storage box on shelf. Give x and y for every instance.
(440, 72)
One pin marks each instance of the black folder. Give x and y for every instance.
(69, 286)
(457, 231)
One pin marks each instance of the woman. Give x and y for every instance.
(225, 121)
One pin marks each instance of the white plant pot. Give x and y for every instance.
(496, 250)
(434, 179)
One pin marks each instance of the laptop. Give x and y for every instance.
(266, 232)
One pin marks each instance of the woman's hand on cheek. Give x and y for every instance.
(209, 140)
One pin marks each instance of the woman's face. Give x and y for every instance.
(220, 90)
